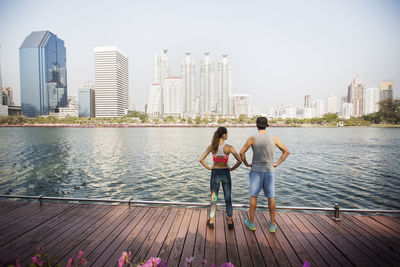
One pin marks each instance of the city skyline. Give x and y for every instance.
(276, 61)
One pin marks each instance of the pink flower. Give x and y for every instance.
(203, 263)
(306, 264)
(41, 263)
(227, 264)
(35, 260)
(124, 258)
(83, 261)
(70, 262)
(188, 261)
(80, 254)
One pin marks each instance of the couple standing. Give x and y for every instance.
(261, 173)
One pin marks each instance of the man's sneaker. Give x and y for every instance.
(251, 226)
(271, 228)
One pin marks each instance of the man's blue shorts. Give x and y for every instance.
(264, 180)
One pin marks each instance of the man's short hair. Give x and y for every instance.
(262, 123)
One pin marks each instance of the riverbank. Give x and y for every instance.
(159, 125)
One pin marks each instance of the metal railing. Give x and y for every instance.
(336, 209)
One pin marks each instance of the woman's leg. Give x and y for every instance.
(227, 186)
(214, 187)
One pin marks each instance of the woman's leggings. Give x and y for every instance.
(221, 176)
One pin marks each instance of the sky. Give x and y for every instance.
(280, 50)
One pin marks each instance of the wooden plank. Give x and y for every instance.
(200, 245)
(140, 218)
(349, 233)
(352, 252)
(231, 247)
(252, 243)
(159, 240)
(290, 235)
(269, 245)
(388, 223)
(290, 253)
(335, 257)
(152, 236)
(7, 206)
(190, 240)
(383, 241)
(209, 253)
(46, 213)
(220, 243)
(62, 245)
(106, 214)
(307, 245)
(169, 241)
(118, 213)
(17, 244)
(176, 252)
(369, 241)
(243, 249)
(130, 239)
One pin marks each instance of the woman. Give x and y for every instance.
(220, 173)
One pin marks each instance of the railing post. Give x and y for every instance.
(40, 200)
(129, 203)
(336, 213)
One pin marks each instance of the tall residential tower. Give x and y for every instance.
(208, 101)
(224, 86)
(188, 75)
(355, 96)
(111, 81)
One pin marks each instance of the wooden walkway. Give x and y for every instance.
(103, 232)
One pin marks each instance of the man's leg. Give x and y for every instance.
(272, 209)
(253, 206)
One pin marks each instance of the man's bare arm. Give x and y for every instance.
(246, 146)
(283, 148)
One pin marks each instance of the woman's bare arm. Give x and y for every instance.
(237, 157)
(203, 157)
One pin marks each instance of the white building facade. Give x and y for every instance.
(208, 101)
(355, 96)
(371, 100)
(173, 96)
(224, 86)
(154, 100)
(241, 104)
(320, 107)
(188, 75)
(111, 81)
(331, 104)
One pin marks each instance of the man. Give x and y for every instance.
(262, 169)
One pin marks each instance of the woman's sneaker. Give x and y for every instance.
(251, 226)
(271, 228)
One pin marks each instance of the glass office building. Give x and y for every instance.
(86, 102)
(43, 74)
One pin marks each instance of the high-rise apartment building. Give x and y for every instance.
(172, 96)
(307, 101)
(371, 100)
(154, 100)
(241, 104)
(111, 81)
(43, 74)
(188, 75)
(224, 85)
(320, 107)
(86, 102)
(208, 101)
(355, 96)
(387, 90)
(331, 104)
(162, 71)
(7, 94)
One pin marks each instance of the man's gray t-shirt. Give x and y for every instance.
(263, 153)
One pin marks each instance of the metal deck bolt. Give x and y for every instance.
(40, 200)
(336, 213)
(129, 203)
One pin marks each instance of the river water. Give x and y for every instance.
(355, 167)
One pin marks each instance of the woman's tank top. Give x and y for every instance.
(220, 156)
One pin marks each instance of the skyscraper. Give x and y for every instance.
(224, 86)
(320, 107)
(371, 100)
(331, 104)
(307, 101)
(43, 74)
(241, 104)
(355, 96)
(172, 96)
(387, 90)
(162, 71)
(86, 104)
(154, 100)
(111, 81)
(207, 85)
(189, 82)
